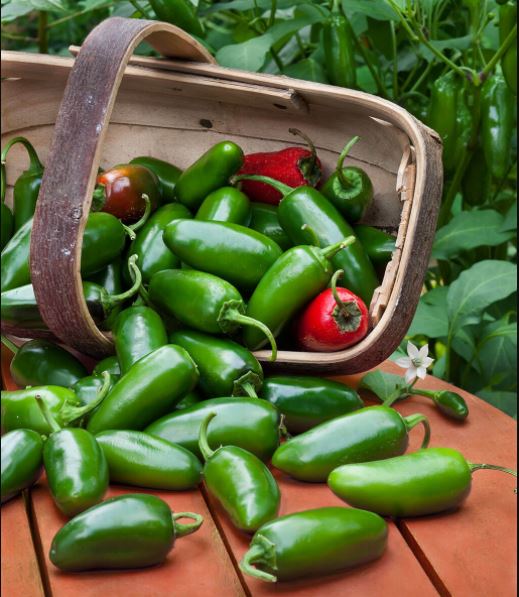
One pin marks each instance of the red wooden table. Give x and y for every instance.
(470, 552)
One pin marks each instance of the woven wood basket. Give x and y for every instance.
(176, 108)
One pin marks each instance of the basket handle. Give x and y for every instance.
(70, 175)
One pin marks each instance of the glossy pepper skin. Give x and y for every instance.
(451, 404)
(166, 173)
(379, 245)
(315, 542)
(112, 279)
(188, 400)
(210, 172)
(294, 166)
(87, 391)
(27, 185)
(7, 218)
(153, 255)
(147, 391)
(416, 484)
(507, 20)
(21, 461)
(110, 364)
(349, 189)
(226, 204)
(294, 279)
(226, 368)
(371, 433)
(334, 320)
(180, 13)
(140, 459)
(230, 251)
(248, 423)
(128, 531)
(203, 302)
(442, 115)
(138, 331)
(264, 219)
(339, 50)
(103, 241)
(308, 401)
(120, 192)
(497, 124)
(39, 362)
(240, 482)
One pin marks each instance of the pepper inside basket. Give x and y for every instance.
(175, 109)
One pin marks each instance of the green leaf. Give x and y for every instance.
(376, 9)
(242, 5)
(505, 401)
(307, 69)
(497, 354)
(464, 342)
(382, 384)
(468, 230)
(431, 315)
(510, 219)
(478, 287)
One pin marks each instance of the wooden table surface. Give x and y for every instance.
(470, 552)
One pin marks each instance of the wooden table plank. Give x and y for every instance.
(198, 565)
(20, 572)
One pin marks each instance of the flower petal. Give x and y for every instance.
(410, 375)
(404, 362)
(421, 372)
(427, 362)
(424, 351)
(412, 351)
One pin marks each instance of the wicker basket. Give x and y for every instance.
(177, 108)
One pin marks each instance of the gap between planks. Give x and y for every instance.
(37, 544)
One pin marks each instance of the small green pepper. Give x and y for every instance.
(210, 172)
(226, 368)
(110, 364)
(416, 484)
(349, 189)
(315, 542)
(507, 20)
(339, 49)
(112, 279)
(21, 461)
(308, 401)
(451, 404)
(240, 482)
(379, 245)
(371, 433)
(147, 391)
(226, 204)
(264, 219)
(248, 423)
(87, 390)
(203, 302)
(166, 173)
(230, 251)
(137, 458)
(180, 13)
(128, 531)
(442, 114)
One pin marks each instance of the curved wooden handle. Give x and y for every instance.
(70, 174)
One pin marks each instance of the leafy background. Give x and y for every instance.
(467, 313)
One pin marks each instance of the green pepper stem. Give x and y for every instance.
(493, 467)
(262, 552)
(68, 413)
(308, 141)
(203, 444)
(338, 274)
(134, 271)
(332, 250)
(45, 411)
(34, 161)
(181, 530)
(131, 234)
(340, 174)
(426, 393)
(144, 218)
(136, 276)
(249, 389)
(311, 231)
(413, 420)
(283, 188)
(235, 315)
(9, 344)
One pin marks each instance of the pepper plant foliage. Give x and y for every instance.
(400, 50)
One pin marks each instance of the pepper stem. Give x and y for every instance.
(144, 218)
(283, 188)
(203, 444)
(181, 530)
(308, 141)
(9, 344)
(35, 164)
(249, 389)
(426, 393)
(235, 315)
(134, 272)
(311, 232)
(340, 174)
(45, 411)
(131, 234)
(332, 250)
(262, 552)
(68, 413)
(246, 385)
(136, 276)
(342, 306)
(493, 467)
(413, 420)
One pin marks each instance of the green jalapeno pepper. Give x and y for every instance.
(230, 251)
(87, 390)
(315, 542)
(264, 219)
(308, 401)
(138, 331)
(27, 185)
(507, 20)
(225, 205)
(497, 124)
(294, 279)
(153, 254)
(75, 466)
(442, 115)
(203, 302)
(210, 172)
(110, 364)
(113, 279)
(416, 484)
(39, 362)
(128, 531)
(137, 458)
(188, 400)
(20, 409)
(7, 219)
(248, 423)
(147, 391)
(166, 173)
(450, 404)
(476, 180)
(103, 241)
(225, 367)
(240, 482)
(21, 461)
(339, 50)
(180, 13)
(349, 189)
(379, 245)
(371, 433)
